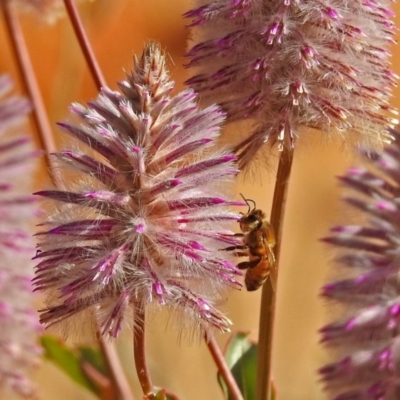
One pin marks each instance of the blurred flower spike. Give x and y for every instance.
(144, 223)
(19, 322)
(367, 337)
(287, 64)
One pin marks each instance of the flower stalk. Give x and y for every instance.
(84, 43)
(139, 352)
(223, 368)
(30, 84)
(268, 297)
(119, 381)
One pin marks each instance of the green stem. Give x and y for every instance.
(268, 297)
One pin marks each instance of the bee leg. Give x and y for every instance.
(248, 264)
(241, 253)
(243, 250)
(240, 247)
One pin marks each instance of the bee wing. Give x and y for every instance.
(273, 276)
(269, 243)
(270, 238)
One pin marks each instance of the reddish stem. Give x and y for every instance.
(268, 297)
(30, 84)
(102, 383)
(139, 353)
(84, 44)
(117, 374)
(223, 368)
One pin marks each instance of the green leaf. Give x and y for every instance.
(66, 359)
(241, 357)
(163, 395)
(273, 393)
(94, 358)
(171, 397)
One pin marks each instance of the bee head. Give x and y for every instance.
(252, 220)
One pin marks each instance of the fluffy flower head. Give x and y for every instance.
(19, 323)
(144, 222)
(284, 64)
(367, 335)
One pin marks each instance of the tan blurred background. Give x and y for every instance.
(118, 29)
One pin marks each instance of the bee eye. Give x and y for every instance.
(251, 218)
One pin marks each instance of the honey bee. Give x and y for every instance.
(258, 243)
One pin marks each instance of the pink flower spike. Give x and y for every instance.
(288, 67)
(367, 335)
(20, 328)
(141, 226)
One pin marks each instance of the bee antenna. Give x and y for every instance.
(254, 203)
(247, 202)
